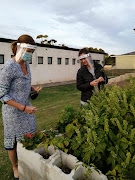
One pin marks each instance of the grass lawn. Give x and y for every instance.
(50, 104)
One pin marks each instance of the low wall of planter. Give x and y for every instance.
(34, 165)
(121, 78)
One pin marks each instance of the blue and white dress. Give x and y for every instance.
(17, 86)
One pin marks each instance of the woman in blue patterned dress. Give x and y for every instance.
(15, 88)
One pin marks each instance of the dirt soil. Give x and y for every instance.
(46, 156)
(65, 169)
(120, 83)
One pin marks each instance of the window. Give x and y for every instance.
(66, 61)
(1, 59)
(30, 62)
(78, 61)
(98, 61)
(40, 60)
(59, 61)
(49, 60)
(73, 61)
(103, 63)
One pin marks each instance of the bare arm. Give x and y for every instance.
(27, 109)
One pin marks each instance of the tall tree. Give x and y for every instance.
(43, 38)
(52, 41)
(110, 60)
(101, 50)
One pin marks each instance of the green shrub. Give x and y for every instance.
(104, 133)
(68, 115)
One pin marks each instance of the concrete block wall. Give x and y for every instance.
(121, 78)
(32, 165)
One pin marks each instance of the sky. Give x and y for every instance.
(105, 24)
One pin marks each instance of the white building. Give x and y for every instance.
(50, 63)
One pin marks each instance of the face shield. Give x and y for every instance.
(24, 52)
(88, 59)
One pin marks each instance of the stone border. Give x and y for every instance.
(58, 83)
(121, 78)
(32, 166)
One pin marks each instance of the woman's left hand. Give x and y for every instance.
(38, 89)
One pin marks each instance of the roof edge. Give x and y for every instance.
(48, 46)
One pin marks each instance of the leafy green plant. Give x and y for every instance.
(68, 115)
(32, 141)
(102, 133)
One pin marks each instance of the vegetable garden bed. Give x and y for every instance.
(101, 135)
(32, 166)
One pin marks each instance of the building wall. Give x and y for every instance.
(125, 62)
(100, 58)
(49, 73)
(6, 50)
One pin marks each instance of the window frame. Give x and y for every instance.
(58, 61)
(97, 60)
(65, 61)
(48, 60)
(2, 55)
(42, 59)
(30, 62)
(73, 60)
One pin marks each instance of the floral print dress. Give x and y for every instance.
(17, 86)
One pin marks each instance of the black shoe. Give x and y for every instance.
(16, 178)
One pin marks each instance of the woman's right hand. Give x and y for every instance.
(94, 83)
(30, 109)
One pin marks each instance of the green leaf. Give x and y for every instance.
(65, 150)
(46, 146)
(113, 172)
(123, 139)
(132, 149)
(122, 155)
(124, 145)
(70, 129)
(133, 159)
(39, 145)
(30, 144)
(76, 167)
(66, 143)
(60, 145)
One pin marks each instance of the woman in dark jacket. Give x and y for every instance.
(90, 76)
